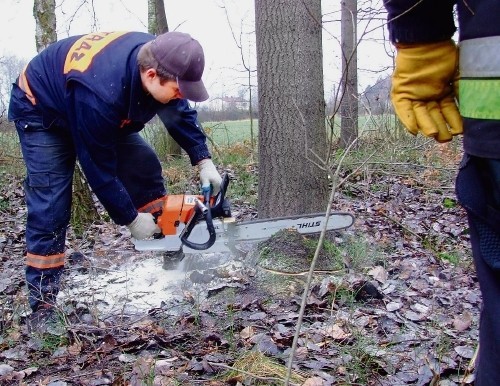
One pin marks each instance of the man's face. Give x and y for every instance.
(163, 93)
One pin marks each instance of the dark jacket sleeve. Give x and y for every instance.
(182, 124)
(420, 21)
(95, 132)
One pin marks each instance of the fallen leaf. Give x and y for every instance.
(75, 349)
(315, 381)
(414, 316)
(5, 369)
(393, 306)
(420, 308)
(336, 332)
(462, 322)
(465, 351)
(379, 273)
(247, 332)
(257, 316)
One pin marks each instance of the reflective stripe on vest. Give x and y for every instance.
(479, 87)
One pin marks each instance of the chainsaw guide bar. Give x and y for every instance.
(204, 223)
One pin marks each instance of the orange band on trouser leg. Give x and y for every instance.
(43, 275)
(45, 262)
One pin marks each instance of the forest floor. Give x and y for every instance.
(394, 300)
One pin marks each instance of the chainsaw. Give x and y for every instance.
(204, 223)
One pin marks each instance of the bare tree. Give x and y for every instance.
(157, 24)
(44, 12)
(250, 75)
(349, 81)
(157, 18)
(291, 107)
(10, 68)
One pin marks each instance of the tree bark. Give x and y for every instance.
(44, 12)
(291, 107)
(83, 210)
(157, 18)
(157, 24)
(349, 82)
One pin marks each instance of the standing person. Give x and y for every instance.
(424, 98)
(86, 98)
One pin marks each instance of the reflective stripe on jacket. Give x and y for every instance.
(479, 88)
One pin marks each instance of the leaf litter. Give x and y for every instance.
(400, 307)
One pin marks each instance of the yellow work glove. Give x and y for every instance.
(423, 92)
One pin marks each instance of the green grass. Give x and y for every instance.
(4, 204)
(230, 132)
(449, 203)
(220, 134)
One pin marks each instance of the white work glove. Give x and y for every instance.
(143, 226)
(209, 176)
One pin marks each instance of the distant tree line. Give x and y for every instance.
(374, 100)
(205, 114)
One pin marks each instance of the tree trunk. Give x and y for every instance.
(83, 210)
(291, 107)
(157, 24)
(157, 18)
(44, 12)
(349, 83)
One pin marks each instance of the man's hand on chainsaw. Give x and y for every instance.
(143, 226)
(209, 176)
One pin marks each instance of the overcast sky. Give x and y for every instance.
(209, 21)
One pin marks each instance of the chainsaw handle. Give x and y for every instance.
(220, 206)
(198, 215)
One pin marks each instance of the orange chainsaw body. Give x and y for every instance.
(193, 210)
(177, 209)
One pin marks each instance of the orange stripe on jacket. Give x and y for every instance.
(24, 85)
(83, 51)
(44, 262)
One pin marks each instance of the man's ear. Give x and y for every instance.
(150, 73)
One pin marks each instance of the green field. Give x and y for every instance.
(222, 134)
(230, 132)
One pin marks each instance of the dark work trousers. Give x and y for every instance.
(478, 190)
(49, 155)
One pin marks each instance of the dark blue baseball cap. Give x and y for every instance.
(182, 56)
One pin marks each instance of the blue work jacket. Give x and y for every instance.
(91, 86)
